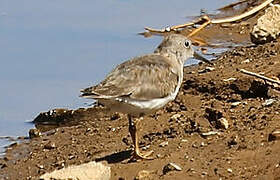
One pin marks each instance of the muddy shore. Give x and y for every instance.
(223, 124)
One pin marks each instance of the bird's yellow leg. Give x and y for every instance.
(133, 128)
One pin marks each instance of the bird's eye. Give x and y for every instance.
(187, 44)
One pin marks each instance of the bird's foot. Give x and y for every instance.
(137, 155)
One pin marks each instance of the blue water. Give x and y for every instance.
(50, 49)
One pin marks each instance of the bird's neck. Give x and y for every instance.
(174, 55)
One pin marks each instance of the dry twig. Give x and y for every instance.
(259, 76)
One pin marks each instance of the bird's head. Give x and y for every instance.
(179, 46)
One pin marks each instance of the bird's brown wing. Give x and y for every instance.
(142, 78)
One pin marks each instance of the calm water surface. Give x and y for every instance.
(50, 49)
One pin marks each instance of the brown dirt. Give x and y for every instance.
(245, 150)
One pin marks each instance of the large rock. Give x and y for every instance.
(267, 27)
(88, 171)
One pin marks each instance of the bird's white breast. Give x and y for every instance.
(137, 107)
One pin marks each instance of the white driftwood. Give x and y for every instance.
(205, 20)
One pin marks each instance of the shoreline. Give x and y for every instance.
(223, 124)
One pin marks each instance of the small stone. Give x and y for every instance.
(165, 143)
(146, 147)
(192, 170)
(204, 173)
(171, 167)
(224, 123)
(71, 157)
(115, 116)
(229, 170)
(194, 145)
(158, 155)
(40, 166)
(275, 135)
(245, 61)
(175, 116)
(210, 133)
(202, 144)
(50, 145)
(268, 102)
(234, 104)
(34, 133)
(3, 165)
(143, 175)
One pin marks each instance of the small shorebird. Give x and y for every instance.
(144, 84)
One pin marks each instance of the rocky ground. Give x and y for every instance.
(222, 125)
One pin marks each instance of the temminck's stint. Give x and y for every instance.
(144, 84)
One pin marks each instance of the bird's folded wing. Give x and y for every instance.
(141, 78)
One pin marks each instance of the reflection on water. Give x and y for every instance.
(51, 49)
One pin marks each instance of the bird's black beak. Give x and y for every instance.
(199, 57)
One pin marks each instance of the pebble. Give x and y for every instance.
(2, 165)
(175, 116)
(229, 170)
(50, 145)
(146, 147)
(204, 173)
(268, 102)
(34, 133)
(158, 156)
(210, 133)
(71, 157)
(202, 144)
(142, 175)
(224, 123)
(165, 143)
(234, 104)
(245, 61)
(115, 116)
(171, 167)
(40, 166)
(274, 135)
